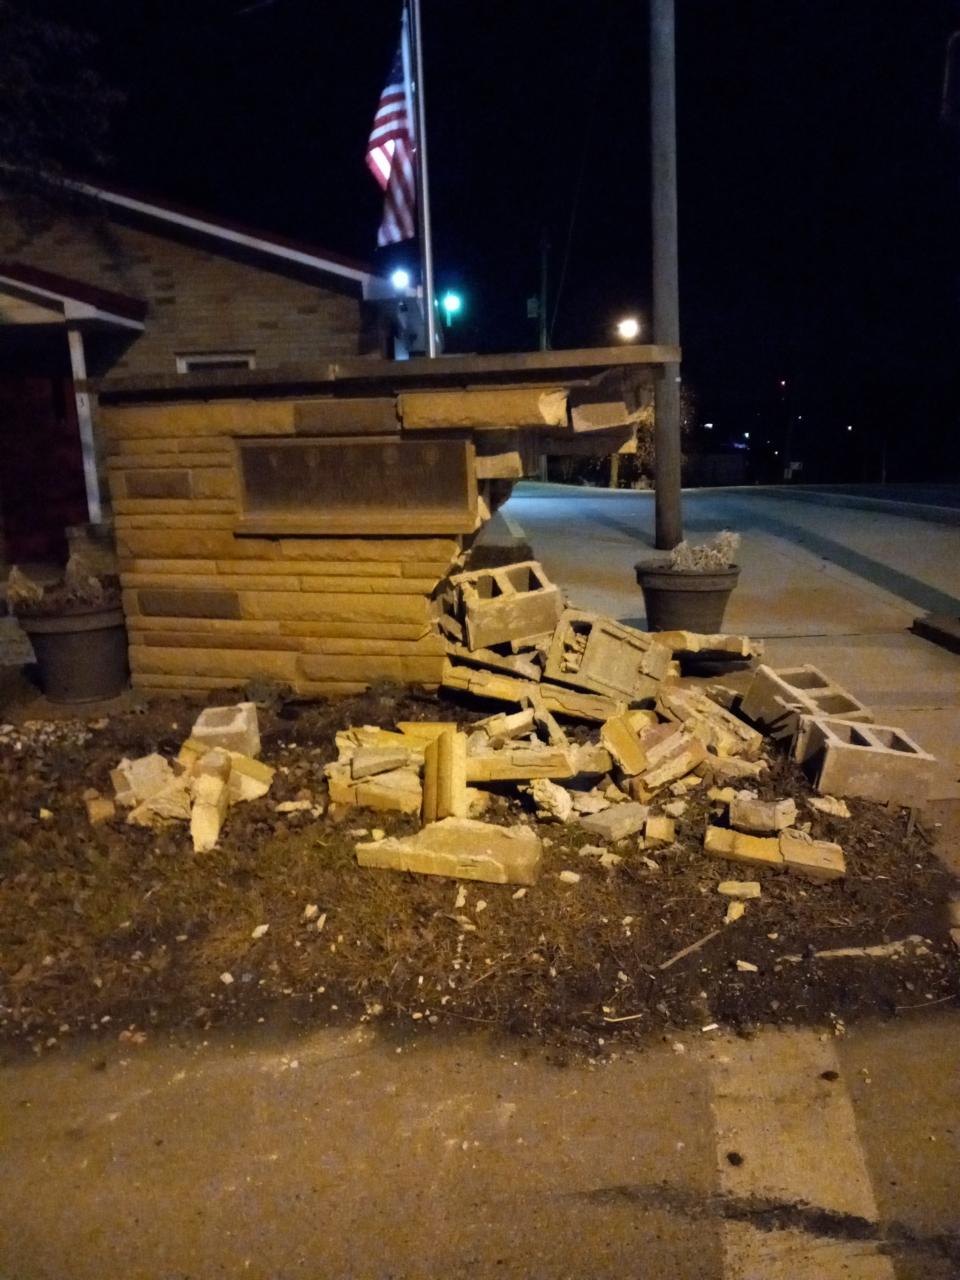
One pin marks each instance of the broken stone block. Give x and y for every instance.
(816, 860)
(681, 755)
(617, 822)
(249, 779)
(521, 762)
(591, 759)
(506, 603)
(730, 768)
(190, 752)
(553, 802)
(691, 642)
(739, 888)
(675, 808)
(424, 731)
(875, 762)
(513, 664)
(399, 790)
(722, 796)
(637, 789)
(620, 738)
(462, 848)
(340, 784)
(478, 802)
(683, 786)
(206, 821)
(579, 706)
(738, 847)
(604, 656)
(829, 805)
(367, 761)
(350, 741)
(170, 804)
(717, 728)
(215, 763)
(735, 911)
(234, 728)
(590, 802)
(545, 723)
(137, 780)
(445, 777)
(776, 699)
(747, 813)
(209, 789)
(99, 809)
(503, 727)
(659, 830)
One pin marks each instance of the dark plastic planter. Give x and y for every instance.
(685, 599)
(82, 656)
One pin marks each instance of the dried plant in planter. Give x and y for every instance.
(706, 557)
(78, 591)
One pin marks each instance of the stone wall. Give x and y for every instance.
(208, 607)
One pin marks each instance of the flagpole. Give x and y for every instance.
(423, 185)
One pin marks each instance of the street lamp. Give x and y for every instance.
(452, 305)
(628, 329)
(400, 279)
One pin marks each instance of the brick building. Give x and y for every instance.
(110, 283)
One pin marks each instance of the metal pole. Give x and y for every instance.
(666, 305)
(88, 445)
(544, 262)
(423, 192)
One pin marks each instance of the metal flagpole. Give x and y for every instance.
(423, 185)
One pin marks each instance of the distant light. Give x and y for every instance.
(799, 417)
(452, 303)
(628, 328)
(746, 435)
(783, 382)
(400, 279)
(776, 453)
(708, 426)
(849, 427)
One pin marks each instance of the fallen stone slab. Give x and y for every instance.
(874, 762)
(617, 822)
(503, 727)
(367, 761)
(761, 817)
(621, 739)
(817, 860)
(693, 642)
(424, 731)
(587, 802)
(207, 816)
(515, 664)
(171, 803)
(521, 762)
(445, 777)
(680, 756)
(234, 728)
(731, 768)
(570, 703)
(736, 846)
(462, 848)
(398, 791)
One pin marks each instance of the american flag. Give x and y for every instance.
(390, 153)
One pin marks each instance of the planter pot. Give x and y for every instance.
(685, 599)
(82, 656)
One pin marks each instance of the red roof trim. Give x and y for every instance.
(103, 299)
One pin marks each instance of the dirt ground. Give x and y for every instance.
(117, 930)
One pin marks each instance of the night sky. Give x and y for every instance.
(819, 194)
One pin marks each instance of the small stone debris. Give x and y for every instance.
(735, 911)
(99, 809)
(659, 830)
(829, 805)
(617, 822)
(553, 803)
(310, 912)
(744, 889)
(569, 877)
(260, 931)
(744, 966)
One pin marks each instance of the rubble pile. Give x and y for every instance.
(652, 740)
(215, 768)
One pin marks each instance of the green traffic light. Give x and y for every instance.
(452, 304)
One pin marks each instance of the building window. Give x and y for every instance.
(361, 486)
(201, 361)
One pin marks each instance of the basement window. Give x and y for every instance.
(351, 485)
(204, 361)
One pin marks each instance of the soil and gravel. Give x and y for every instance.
(117, 930)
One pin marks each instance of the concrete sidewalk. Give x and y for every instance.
(838, 587)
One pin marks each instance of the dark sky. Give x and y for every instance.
(820, 215)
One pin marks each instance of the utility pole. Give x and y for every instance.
(544, 262)
(666, 305)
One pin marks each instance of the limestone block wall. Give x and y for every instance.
(208, 607)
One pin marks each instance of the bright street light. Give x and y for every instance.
(452, 304)
(400, 279)
(628, 328)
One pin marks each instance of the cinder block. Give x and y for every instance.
(776, 699)
(506, 603)
(875, 762)
(599, 654)
(232, 728)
